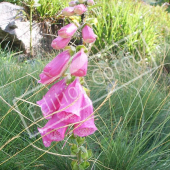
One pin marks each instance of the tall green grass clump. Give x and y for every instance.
(132, 25)
(134, 122)
(51, 8)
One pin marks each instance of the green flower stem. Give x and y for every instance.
(79, 158)
(82, 22)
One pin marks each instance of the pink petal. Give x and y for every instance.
(54, 70)
(88, 34)
(54, 130)
(80, 9)
(60, 43)
(88, 127)
(71, 102)
(79, 64)
(67, 31)
(51, 101)
(68, 11)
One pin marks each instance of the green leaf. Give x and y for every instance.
(79, 47)
(90, 154)
(71, 49)
(72, 136)
(84, 165)
(81, 167)
(74, 149)
(80, 140)
(83, 149)
(84, 153)
(74, 165)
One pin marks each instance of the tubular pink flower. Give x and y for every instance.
(71, 103)
(90, 2)
(54, 130)
(51, 101)
(54, 70)
(67, 31)
(88, 34)
(60, 43)
(79, 64)
(80, 9)
(88, 127)
(68, 11)
(72, 3)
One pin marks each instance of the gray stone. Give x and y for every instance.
(15, 29)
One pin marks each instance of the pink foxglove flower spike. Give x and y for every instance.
(64, 103)
(55, 68)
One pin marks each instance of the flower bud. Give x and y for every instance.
(90, 2)
(88, 34)
(68, 11)
(79, 64)
(80, 9)
(67, 31)
(59, 42)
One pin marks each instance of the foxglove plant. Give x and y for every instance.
(66, 103)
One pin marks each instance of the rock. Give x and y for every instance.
(15, 29)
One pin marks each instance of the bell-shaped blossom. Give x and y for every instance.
(54, 70)
(71, 102)
(68, 11)
(67, 31)
(51, 101)
(60, 43)
(80, 9)
(54, 130)
(79, 64)
(72, 3)
(90, 2)
(88, 34)
(87, 127)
